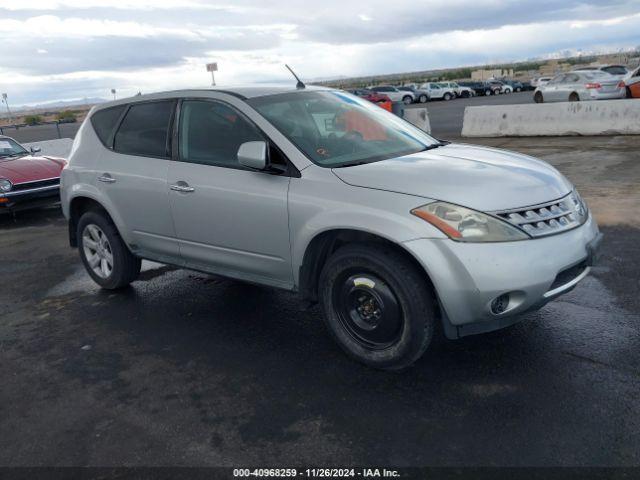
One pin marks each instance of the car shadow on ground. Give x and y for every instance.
(31, 218)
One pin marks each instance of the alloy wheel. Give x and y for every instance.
(97, 250)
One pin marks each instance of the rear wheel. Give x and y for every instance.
(447, 96)
(574, 97)
(422, 99)
(103, 252)
(378, 305)
(518, 89)
(407, 100)
(487, 93)
(537, 97)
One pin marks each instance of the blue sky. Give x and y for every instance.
(68, 49)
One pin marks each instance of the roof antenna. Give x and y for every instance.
(299, 85)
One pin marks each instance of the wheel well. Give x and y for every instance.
(80, 205)
(324, 244)
(574, 95)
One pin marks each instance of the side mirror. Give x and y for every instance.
(35, 149)
(253, 155)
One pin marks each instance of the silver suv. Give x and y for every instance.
(317, 191)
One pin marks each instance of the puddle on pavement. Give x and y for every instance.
(80, 281)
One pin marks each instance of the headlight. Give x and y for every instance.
(580, 206)
(5, 185)
(466, 225)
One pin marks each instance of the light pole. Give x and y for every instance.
(6, 102)
(113, 91)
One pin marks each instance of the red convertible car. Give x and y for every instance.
(27, 180)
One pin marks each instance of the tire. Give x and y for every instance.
(487, 93)
(99, 240)
(574, 97)
(403, 304)
(447, 96)
(537, 97)
(629, 94)
(518, 89)
(422, 99)
(465, 94)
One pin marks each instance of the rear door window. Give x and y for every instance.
(145, 130)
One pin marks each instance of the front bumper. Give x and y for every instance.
(469, 276)
(30, 198)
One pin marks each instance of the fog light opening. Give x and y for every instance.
(500, 304)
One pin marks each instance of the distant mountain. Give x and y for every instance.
(57, 104)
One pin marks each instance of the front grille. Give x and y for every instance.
(547, 218)
(37, 184)
(565, 276)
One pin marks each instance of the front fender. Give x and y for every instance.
(320, 202)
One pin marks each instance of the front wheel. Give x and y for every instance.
(423, 99)
(377, 305)
(103, 252)
(407, 100)
(447, 96)
(487, 93)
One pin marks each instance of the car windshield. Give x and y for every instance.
(11, 148)
(335, 129)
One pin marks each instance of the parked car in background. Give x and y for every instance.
(527, 86)
(618, 71)
(459, 90)
(379, 99)
(420, 96)
(580, 86)
(632, 83)
(394, 94)
(540, 81)
(437, 91)
(370, 95)
(312, 190)
(498, 87)
(515, 85)
(479, 88)
(27, 180)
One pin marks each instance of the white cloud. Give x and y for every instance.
(87, 47)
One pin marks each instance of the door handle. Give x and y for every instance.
(182, 187)
(106, 178)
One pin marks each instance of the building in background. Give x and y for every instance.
(482, 75)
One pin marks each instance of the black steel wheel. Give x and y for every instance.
(367, 309)
(378, 305)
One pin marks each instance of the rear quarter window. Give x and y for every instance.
(144, 130)
(105, 121)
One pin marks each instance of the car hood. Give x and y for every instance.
(481, 178)
(30, 169)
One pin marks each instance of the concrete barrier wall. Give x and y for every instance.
(55, 148)
(418, 117)
(601, 117)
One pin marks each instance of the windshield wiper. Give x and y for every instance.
(441, 143)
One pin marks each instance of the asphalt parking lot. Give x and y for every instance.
(188, 369)
(446, 117)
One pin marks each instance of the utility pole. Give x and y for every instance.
(113, 91)
(6, 102)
